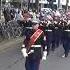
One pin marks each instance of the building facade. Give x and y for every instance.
(54, 3)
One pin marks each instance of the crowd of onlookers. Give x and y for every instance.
(11, 13)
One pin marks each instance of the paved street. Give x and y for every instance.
(12, 59)
(25, 17)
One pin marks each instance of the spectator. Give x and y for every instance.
(7, 16)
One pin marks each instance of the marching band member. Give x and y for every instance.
(34, 48)
(65, 39)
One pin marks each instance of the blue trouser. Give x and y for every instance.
(66, 47)
(66, 43)
(53, 40)
(57, 38)
(69, 43)
(49, 40)
(32, 64)
(56, 35)
(60, 36)
(69, 40)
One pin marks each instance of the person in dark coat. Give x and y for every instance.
(7, 15)
(48, 31)
(65, 39)
(36, 51)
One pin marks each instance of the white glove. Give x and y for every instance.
(44, 55)
(44, 38)
(24, 52)
(23, 46)
(31, 51)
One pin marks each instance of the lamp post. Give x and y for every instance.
(21, 4)
(67, 1)
(28, 4)
(32, 5)
(1, 10)
(37, 5)
(58, 4)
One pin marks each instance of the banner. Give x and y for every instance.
(35, 36)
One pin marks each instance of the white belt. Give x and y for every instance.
(56, 27)
(29, 27)
(49, 30)
(67, 30)
(23, 46)
(36, 46)
(31, 51)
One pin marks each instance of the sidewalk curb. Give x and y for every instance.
(6, 44)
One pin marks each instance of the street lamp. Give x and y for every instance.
(58, 4)
(67, 1)
(28, 4)
(37, 5)
(21, 4)
(1, 10)
(32, 4)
